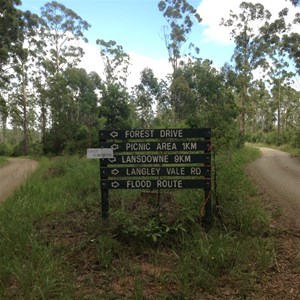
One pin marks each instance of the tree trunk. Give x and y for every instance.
(279, 114)
(25, 118)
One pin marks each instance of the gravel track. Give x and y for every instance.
(278, 175)
(13, 174)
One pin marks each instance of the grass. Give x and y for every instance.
(54, 244)
(3, 161)
(285, 147)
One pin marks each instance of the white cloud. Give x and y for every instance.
(92, 61)
(212, 11)
(161, 67)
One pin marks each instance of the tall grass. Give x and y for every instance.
(35, 265)
(284, 147)
(29, 267)
(240, 206)
(3, 161)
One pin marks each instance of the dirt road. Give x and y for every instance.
(278, 174)
(14, 174)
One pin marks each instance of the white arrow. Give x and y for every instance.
(115, 147)
(115, 171)
(112, 160)
(115, 184)
(114, 134)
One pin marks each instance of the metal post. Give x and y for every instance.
(207, 219)
(104, 192)
(104, 204)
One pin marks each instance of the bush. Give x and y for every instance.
(6, 150)
(36, 149)
(296, 139)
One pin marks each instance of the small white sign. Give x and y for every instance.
(96, 153)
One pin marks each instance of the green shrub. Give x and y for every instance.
(296, 139)
(6, 149)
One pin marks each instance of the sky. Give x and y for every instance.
(137, 25)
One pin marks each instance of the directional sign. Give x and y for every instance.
(157, 159)
(157, 184)
(96, 153)
(162, 146)
(154, 134)
(156, 171)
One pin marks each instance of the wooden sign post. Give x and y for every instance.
(156, 159)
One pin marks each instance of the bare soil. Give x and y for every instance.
(13, 174)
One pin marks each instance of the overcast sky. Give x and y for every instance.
(137, 26)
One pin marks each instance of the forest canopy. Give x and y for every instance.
(48, 105)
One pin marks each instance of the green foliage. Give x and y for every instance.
(213, 105)
(249, 52)
(75, 119)
(3, 161)
(61, 27)
(182, 99)
(115, 107)
(180, 16)
(6, 149)
(296, 139)
(74, 105)
(9, 32)
(271, 138)
(38, 272)
(145, 97)
(234, 191)
(150, 222)
(107, 249)
(206, 257)
(116, 62)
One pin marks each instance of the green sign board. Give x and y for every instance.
(156, 159)
(172, 171)
(163, 146)
(157, 184)
(143, 134)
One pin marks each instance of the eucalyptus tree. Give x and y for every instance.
(84, 107)
(280, 75)
(291, 41)
(291, 44)
(22, 63)
(75, 126)
(3, 118)
(280, 79)
(180, 16)
(182, 97)
(290, 108)
(115, 108)
(10, 20)
(9, 28)
(213, 102)
(261, 111)
(145, 97)
(116, 62)
(163, 100)
(250, 52)
(63, 31)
